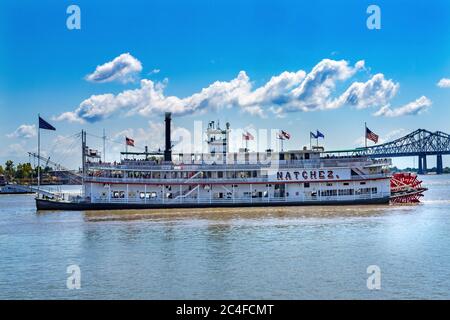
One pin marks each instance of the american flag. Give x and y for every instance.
(284, 135)
(129, 141)
(371, 136)
(247, 136)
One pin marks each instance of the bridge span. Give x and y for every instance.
(419, 143)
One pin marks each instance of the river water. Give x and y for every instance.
(243, 253)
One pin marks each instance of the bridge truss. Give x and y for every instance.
(421, 143)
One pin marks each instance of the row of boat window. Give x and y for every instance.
(255, 194)
(348, 192)
(174, 175)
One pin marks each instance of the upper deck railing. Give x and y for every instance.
(243, 165)
(204, 180)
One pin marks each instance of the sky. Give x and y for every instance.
(292, 65)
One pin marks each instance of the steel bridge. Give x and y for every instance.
(421, 143)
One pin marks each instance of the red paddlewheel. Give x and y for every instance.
(406, 188)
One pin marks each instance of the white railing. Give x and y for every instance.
(240, 200)
(126, 180)
(244, 165)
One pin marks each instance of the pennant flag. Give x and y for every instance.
(319, 134)
(45, 125)
(129, 141)
(371, 136)
(247, 136)
(285, 134)
(312, 135)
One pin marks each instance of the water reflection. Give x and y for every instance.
(230, 214)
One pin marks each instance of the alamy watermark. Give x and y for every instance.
(374, 20)
(74, 279)
(73, 21)
(374, 279)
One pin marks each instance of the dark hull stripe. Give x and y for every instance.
(67, 206)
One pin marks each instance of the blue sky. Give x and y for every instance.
(183, 47)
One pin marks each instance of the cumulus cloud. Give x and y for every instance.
(413, 108)
(316, 89)
(285, 92)
(444, 83)
(25, 131)
(150, 100)
(123, 68)
(377, 91)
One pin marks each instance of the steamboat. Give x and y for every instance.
(220, 178)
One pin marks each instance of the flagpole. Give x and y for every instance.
(310, 145)
(104, 145)
(365, 133)
(317, 138)
(39, 155)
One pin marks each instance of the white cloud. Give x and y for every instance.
(377, 91)
(315, 91)
(444, 83)
(25, 131)
(413, 108)
(123, 68)
(286, 92)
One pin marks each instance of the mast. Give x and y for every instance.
(104, 145)
(39, 155)
(83, 155)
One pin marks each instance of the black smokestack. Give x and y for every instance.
(168, 149)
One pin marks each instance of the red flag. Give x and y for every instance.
(247, 136)
(129, 141)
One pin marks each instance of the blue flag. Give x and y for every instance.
(312, 135)
(319, 134)
(45, 125)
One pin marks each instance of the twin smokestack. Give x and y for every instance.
(168, 148)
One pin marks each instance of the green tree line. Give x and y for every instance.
(22, 172)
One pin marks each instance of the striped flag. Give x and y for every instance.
(285, 135)
(129, 141)
(247, 136)
(371, 136)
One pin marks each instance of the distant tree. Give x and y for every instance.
(2, 171)
(9, 169)
(27, 169)
(18, 174)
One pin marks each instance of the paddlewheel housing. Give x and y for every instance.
(406, 188)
